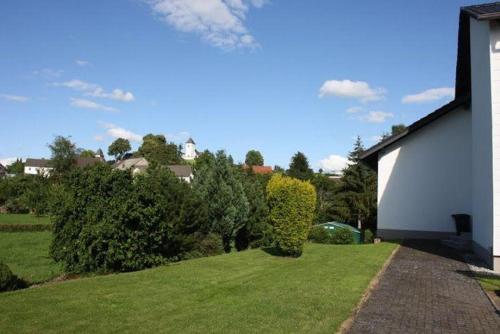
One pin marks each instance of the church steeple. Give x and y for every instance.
(189, 150)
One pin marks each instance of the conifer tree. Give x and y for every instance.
(358, 190)
(217, 184)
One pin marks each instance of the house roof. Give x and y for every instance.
(190, 141)
(30, 162)
(142, 164)
(260, 169)
(488, 11)
(84, 162)
(132, 162)
(181, 170)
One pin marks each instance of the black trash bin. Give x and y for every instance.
(462, 223)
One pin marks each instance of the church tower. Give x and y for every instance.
(189, 150)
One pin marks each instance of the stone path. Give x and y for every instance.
(426, 289)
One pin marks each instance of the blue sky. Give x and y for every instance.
(279, 76)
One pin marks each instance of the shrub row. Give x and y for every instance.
(25, 227)
(340, 236)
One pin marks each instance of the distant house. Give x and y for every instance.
(259, 169)
(3, 171)
(37, 167)
(138, 165)
(43, 166)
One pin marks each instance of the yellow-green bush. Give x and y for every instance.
(292, 203)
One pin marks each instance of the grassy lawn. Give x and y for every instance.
(247, 292)
(490, 283)
(27, 255)
(10, 218)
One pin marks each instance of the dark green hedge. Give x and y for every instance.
(25, 227)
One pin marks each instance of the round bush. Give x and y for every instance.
(342, 236)
(8, 281)
(320, 235)
(292, 205)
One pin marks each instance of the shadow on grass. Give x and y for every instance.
(275, 251)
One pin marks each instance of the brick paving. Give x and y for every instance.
(426, 289)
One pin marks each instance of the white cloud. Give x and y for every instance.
(87, 104)
(98, 137)
(359, 90)
(94, 90)
(333, 163)
(14, 98)
(80, 62)
(7, 161)
(430, 95)
(376, 117)
(375, 139)
(115, 131)
(219, 22)
(48, 73)
(354, 110)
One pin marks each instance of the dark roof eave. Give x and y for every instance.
(370, 156)
(488, 11)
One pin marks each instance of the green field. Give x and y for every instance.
(10, 218)
(246, 292)
(27, 255)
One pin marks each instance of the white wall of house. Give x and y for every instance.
(31, 170)
(494, 48)
(482, 176)
(425, 178)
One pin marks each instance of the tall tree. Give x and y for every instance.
(257, 231)
(395, 130)
(64, 153)
(325, 197)
(119, 147)
(228, 206)
(156, 150)
(87, 154)
(299, 167)
(254, 158)
(358, 190)
(16, 168)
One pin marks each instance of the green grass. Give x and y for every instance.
(11, 218)
(489, 283)
(247, 292)
(27, 255)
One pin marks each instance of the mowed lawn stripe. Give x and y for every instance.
(246, 292)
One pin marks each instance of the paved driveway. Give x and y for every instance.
(426, 289)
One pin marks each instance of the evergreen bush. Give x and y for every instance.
(292, 205)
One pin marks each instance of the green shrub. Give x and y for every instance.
(292, 205)
(368, 236)
(210, 245)
(9, 281)
(107, 220)
(320, 235)
(342, 236)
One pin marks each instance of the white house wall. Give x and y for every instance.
(482, 150)
(425, 178)
(494, 48)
